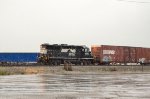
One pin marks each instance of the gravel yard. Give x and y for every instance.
(12, 70)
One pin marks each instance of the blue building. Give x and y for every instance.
(19, 57)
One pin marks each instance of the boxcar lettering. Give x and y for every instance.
(108, 52)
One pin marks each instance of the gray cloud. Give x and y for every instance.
(25, 24)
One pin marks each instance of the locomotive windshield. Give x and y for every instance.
(86, 51)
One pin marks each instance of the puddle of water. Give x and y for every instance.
(122, 86)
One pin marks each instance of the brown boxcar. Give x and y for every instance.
(106, 54)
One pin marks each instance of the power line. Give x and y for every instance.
(134, 1)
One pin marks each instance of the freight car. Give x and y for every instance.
(21, 58)
(107, 54)
(59, 54)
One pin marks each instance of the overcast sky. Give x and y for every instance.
(25, 24)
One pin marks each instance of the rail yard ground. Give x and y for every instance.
(83, 82)
(12, 70)
(79, 86)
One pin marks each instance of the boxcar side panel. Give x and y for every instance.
(112, 54)
(130, 54)
(143, 55)
(96, 52)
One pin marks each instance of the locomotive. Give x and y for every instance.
(59, 54)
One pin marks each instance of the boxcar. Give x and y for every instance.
(106, 54)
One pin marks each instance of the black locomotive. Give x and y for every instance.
(59, 54)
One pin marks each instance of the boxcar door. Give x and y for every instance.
(133, 55)
(129, 55)
(126, 55)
